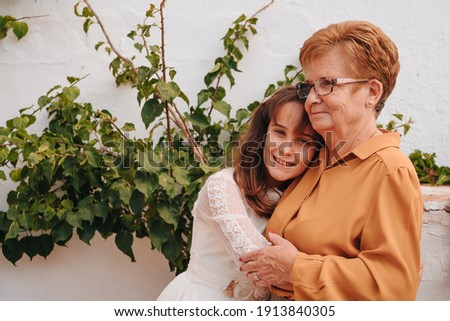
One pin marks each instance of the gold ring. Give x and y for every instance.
(256, 277)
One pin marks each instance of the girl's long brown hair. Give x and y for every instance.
(249, 168)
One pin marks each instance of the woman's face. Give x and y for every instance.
(343, 110)
(288, 150)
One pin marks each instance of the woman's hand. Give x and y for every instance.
(270, 265)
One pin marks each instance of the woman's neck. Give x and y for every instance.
(340, 144)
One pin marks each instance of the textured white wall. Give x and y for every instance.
(56, 47)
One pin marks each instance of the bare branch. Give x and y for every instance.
(32, 17)
(109, 39)
(262, 9)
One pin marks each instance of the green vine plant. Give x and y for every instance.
(83, 174)
(425, 164)
(18, 27)
(403, 127)
(427, 169)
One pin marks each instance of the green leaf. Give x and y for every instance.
(72, 80)
(13, 231)
(29, 246)
(12, 250)
(172, 73)
(169, 213)
(128, 127)
(18, 123)
(101, 210)
(151, 109)
(35, 158)
(203, 96)
(222, 107)
(20, 29)
(93, 156)
(146, 183)
(199, 119)
(2, 175)
(124, 241)
(62, 232)
(3, 32)
(181, 175)
(127, 220)
(240, 19)
(46, 245)
(168, 183)
(172, 249)
(168, 90)
(398, 116)
(137, 202)
(70, 93)
(242, 114)
(125, 195)
(15, 175)
(159, 232)
(71, 166)
(49, 213)
(86, 213)
(86, 232)
(71, 218)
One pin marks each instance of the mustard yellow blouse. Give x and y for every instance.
(356, 224)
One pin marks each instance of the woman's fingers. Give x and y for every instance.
(271, 265)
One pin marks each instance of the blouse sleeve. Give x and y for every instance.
(236, 229)
(387, 267)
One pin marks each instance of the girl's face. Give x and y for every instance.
(288, 149)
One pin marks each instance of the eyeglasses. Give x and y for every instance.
(323, 86)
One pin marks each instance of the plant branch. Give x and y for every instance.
(102, 27)
(182, 124)
(32, 17)
(163, 61)
(262, 9)
(112, 123)
(220, 75)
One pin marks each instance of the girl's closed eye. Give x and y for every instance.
(280, 132)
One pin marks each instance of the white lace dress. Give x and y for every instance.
(224, 228)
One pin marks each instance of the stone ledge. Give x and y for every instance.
(436, 198)
(435, 243)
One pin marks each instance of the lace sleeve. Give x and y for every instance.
(237, 229)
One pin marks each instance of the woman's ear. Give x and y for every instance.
(375, 92)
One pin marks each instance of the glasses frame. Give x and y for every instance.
(333, 82)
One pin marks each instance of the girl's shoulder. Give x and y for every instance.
(223, 174)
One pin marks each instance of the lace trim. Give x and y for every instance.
(221, 211)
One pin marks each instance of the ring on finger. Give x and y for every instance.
(257, 279)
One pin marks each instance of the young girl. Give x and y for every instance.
(234, 205)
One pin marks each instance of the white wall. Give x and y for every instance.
(56, 47)
(79, 272)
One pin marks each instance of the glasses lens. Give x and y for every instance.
(303, 89)
(323, 86)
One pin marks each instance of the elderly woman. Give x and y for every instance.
(350, 228)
